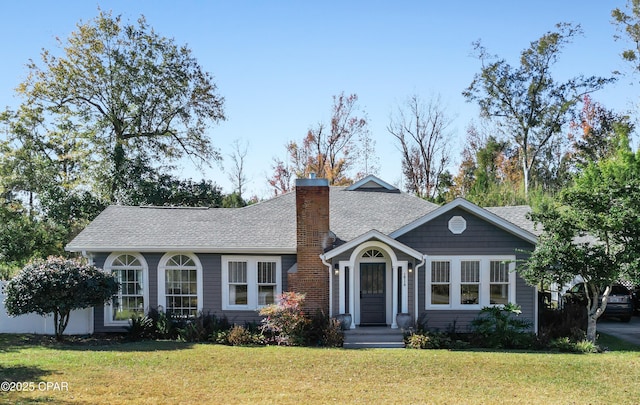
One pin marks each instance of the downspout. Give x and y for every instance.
(415, 286)
(91, 320)
(324, 261)
(87, 256)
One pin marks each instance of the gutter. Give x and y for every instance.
(415, 286)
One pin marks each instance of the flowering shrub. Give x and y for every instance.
(285, 321)
(58, 286)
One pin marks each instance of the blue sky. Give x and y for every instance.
(278, 63)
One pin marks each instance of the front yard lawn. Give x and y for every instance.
(173, 372)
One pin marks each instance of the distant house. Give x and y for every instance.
(368, 250)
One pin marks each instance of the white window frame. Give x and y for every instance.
(252, 280)
(108, 268)
(162, 271)
(455, 282)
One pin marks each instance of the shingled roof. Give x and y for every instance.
(268, 226)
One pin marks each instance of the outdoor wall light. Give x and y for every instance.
(410, 267)
(336, 268)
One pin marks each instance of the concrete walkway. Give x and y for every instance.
(627, 331)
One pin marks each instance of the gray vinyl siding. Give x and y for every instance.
(211, 288)
(479, 238)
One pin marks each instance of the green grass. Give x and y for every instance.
(171, 372)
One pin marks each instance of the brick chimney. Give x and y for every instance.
(312, 230)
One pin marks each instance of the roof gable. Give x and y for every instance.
(373, 234)
(371, 182)
(482, 213)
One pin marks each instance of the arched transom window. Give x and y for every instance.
(372, 253)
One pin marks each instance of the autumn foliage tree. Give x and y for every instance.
(328, 151)
(595, 131)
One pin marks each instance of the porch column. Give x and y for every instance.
(342, 289)
(394, 295)
(405, 288)
(352, 295)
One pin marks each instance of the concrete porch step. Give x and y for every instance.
(373, 337)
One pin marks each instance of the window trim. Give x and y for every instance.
(252, 280)
(162, 269)
(108, 268)
(455, 283)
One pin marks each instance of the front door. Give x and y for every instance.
(372, 294)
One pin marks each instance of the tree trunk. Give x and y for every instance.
(118, 171)
(595, 308)
(592, 320)
(60, 321)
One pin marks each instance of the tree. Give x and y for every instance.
(330, 151)
(58, 286)
(148, 187)
(629, 24)
(489, 174)
(281, 178)
(369, 161)
(421, 131)
(525, 101)
(593, 231)
(130, 93)
(594, 133)
(236, 174)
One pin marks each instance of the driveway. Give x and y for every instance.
(627, 331)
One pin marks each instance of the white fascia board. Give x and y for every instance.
(474, 209)
(374, 179)
(373, 234)
(163, 249)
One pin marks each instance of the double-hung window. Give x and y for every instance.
(440, 283)
(249, 282)
(238, 287)
(267, 283)
(499, 283)
(469, 282)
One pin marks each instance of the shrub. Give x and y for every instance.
(240, 336)
(140, 327)
(499, 327)
(160, 325)
(201, 328)
(58, 286)
(570, 321)
(428, 340)
(323, 331)
(565, 345)
(285, 322)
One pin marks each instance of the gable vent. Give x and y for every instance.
(457, 225)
